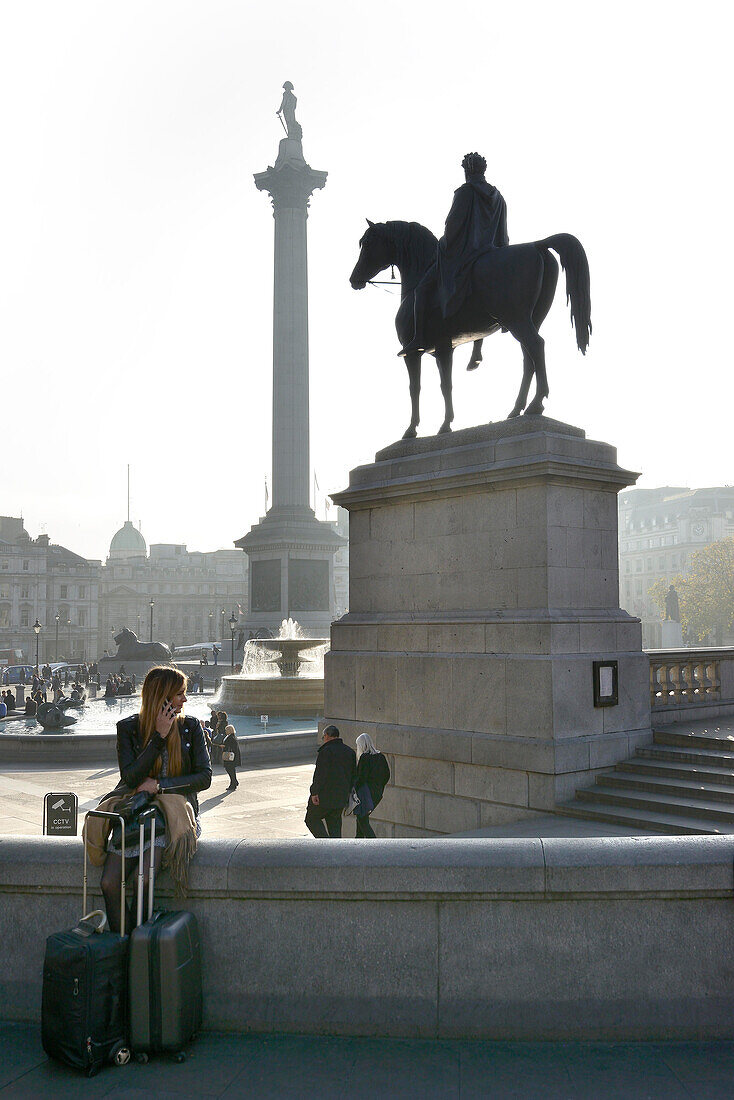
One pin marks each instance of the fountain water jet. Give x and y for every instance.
(282, 675)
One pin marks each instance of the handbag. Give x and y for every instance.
(228, 757)
(366, 804)
(352, 802)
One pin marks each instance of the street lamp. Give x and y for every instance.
(211, 626)
(68, 627)
(232, 626)
(152, 605)
(221, 631)
(56, 647)
(37, 628)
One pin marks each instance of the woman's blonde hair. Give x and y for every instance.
(365, 744)
(161, 684)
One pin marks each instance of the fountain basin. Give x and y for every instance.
(296, 696)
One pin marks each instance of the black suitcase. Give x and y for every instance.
(84, 1001)
(164, 978)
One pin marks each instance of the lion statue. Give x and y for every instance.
(130, 649)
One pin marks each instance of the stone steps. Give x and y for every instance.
(642, 819)
(692, 756)
(682, 783)
(704, 740)
(672, 769)
(646, 800)
(664, 786)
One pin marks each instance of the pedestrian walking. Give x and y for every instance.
(373, 775)
(333, 779)
(231, 757)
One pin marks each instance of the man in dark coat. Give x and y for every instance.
(333, 779)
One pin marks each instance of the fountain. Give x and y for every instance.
(282, 675)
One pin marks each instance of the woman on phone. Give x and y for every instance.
(161, 754)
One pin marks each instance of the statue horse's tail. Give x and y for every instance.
(578, 284)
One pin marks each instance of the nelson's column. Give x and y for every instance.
(291, 553)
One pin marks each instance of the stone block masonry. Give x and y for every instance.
(483, 585)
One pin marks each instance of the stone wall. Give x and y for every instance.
(619, 938)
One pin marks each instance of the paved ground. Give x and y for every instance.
(270, 802)
(284, 1067)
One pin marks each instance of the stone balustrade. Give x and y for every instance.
(691, 682)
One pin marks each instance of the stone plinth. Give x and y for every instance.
(483, 586)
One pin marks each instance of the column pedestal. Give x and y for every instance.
(483, 587)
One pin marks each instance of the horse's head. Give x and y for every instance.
(374, 256)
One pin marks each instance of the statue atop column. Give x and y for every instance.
(287, 111)
(290, 150)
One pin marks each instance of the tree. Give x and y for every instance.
(706, 593)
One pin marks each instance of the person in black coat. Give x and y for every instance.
(333, 779)
(231, 744)
(373, 772)
(161, 752)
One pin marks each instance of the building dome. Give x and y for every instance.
(127, 543)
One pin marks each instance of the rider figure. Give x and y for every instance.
(477, 222)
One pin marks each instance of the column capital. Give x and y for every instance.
(290, 187)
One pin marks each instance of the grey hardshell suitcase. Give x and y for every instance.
(164, 976)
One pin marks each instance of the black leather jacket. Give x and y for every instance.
(136, 763)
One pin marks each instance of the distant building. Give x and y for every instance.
(189, 590)
(40, 580)
(659, 530)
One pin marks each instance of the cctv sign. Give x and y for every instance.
(60, 812)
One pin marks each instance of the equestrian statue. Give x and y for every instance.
(472, 283)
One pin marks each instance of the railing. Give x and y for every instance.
(688, 677)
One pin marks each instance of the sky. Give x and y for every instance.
(136, 255)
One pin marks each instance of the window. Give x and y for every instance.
(63, 594)
(674, 560)
(6, 563)
(4, 616)
(661, 562)
(638, 588)
(25, 617)
(25, 566)
(25, 592)
(638, 565)
(627, 567)
(82, 592)
(4, 591)
(82, 618)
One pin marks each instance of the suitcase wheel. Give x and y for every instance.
(121, 1056)
(141, 1059)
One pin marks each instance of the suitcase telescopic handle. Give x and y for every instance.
(149, 813)
(106, 814)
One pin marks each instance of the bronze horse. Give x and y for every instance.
(513, 289)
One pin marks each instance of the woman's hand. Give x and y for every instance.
(164, 721)
(149, 785)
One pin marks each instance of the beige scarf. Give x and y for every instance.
(180, 834)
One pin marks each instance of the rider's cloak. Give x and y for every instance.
(477, 222)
